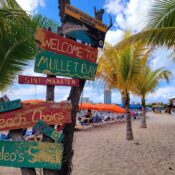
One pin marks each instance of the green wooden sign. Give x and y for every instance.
(56, 64)
(10, 105)
(48, 131)
(31, 154)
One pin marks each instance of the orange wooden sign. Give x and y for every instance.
(85, 18)
(58, 44)
(30, 113)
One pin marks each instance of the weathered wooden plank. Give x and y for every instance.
(50, 112)
(10, 105)
(31, 154)
(47, 81)
(56, 43)
(48, 131)
(55, 64)
(85, 18)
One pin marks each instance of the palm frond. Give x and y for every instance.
(44, 22)
(149, 81)
(161, 14)
(17, 42)
(121, 68)
(154, 37)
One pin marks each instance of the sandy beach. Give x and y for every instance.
(105, 151)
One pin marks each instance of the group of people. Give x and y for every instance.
(95, 117)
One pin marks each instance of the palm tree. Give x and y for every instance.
(17, 43)
(122, 70)
(160, 26)
(146, 84)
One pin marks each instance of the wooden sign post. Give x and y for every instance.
(55, 64)
(97, 39)
(48, 131)
(31, 154)
(50, 112)
(48, 81)
(10, 105)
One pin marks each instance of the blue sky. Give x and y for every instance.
(126, 14)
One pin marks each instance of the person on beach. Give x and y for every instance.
(88, 117)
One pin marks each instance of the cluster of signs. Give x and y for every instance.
(17, 115)
(64, 57)
(58, 56)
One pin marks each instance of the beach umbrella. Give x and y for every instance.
(109, 107)
(86, 106)
(101, 107)
(115, 108)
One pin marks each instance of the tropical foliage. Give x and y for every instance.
(160, 26)
(17, 43)
(121, 70)
(147, 83)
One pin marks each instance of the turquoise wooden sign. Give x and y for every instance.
(10, 105)
(48, 131)
(31, 154)
(56, 64)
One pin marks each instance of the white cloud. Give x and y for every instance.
(116, 97)
(135, 13)
(31, 6)
(162, 58)
(113, 6)
(128, 15)
(114, 37)
(162, 94)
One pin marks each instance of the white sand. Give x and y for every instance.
(104, 151)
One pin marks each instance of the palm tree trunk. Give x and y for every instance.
(68, 130)
(143, 119)
(129, 133)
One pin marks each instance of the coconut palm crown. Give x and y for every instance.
(147, 83)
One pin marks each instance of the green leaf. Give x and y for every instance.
(17, 42)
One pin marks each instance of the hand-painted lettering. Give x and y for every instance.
(56, 43)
